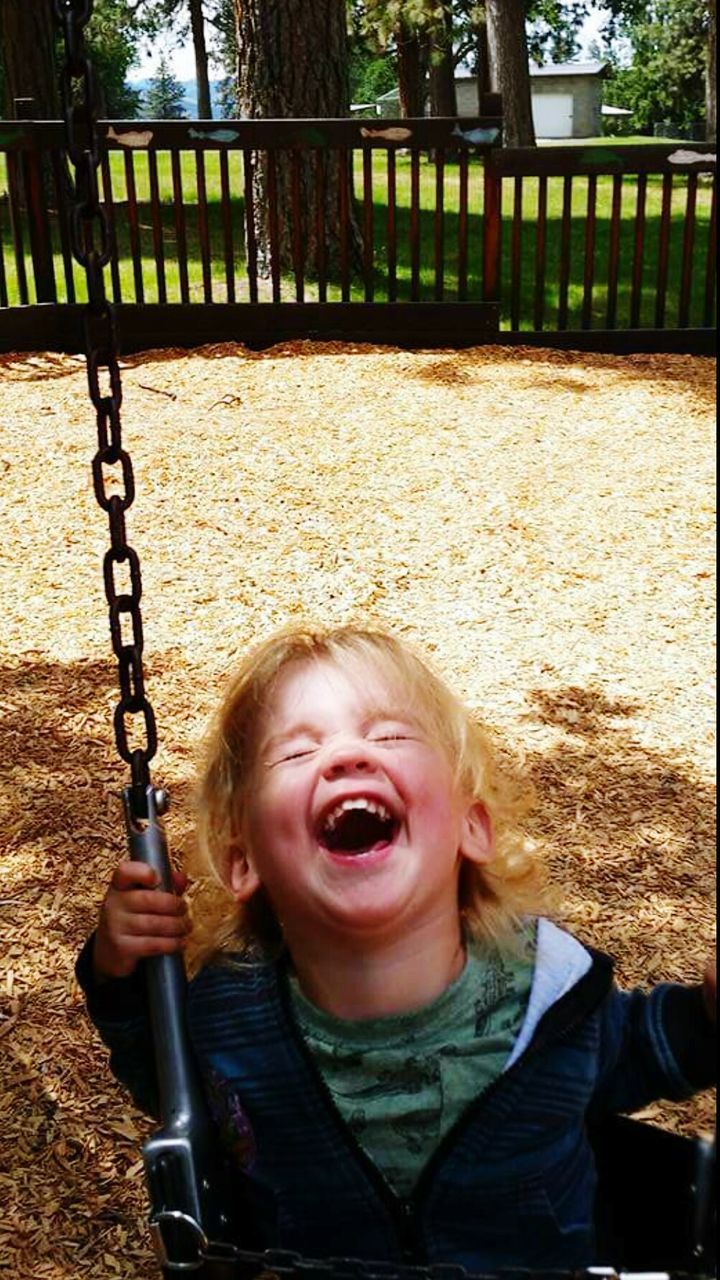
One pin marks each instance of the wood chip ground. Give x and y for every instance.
(540, 523)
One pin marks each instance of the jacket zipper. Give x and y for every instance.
(582, 999)
(405, 1212)
(401, 1211)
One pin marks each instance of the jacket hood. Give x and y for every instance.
(560, 962)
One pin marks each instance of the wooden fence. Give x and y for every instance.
(421, 231)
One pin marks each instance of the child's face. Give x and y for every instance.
(355, 823)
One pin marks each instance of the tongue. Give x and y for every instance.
(358, 831)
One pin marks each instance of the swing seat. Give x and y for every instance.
(654, 1212)
(655, 1205)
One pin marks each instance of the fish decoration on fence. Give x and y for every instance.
(214, 135)
(477, 137)
(692, 157)
(132, 138)
(393, 134)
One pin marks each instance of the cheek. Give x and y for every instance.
(273, 811)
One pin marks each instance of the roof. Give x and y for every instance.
(594, 68)
(569, 69)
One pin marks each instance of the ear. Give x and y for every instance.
(476, 842)
(243, 878)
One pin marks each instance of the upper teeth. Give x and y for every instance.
(358, 802)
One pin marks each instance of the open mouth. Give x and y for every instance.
(357, 826)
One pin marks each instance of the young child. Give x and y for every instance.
(400, 1053)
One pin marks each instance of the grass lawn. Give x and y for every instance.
(215, 269)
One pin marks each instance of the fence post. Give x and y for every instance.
(35, 206)
(492, 227)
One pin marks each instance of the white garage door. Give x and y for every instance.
(553, 115)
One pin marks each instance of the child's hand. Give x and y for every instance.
(710, 989)
(137, 920)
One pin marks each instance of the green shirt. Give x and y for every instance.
(401, 1082)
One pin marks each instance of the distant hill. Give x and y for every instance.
(190, 95)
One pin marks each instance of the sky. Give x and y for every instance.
(182, 62)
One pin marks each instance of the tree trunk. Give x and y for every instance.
(510, 68)
(26, 39)
(411, 59)
(292, 63)
(711, 75)
(197, 26)
(443, 94)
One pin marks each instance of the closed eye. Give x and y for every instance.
(298, 753)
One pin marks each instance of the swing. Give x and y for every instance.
(655, 1205)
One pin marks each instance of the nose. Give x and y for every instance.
(347, 759)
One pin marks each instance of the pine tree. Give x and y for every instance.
(164, 100)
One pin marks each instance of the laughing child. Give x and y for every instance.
(400, 1051)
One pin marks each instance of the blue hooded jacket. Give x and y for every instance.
(511, 1185)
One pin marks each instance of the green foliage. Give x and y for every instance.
(666, 80)
(164, 98)
(553, 28)
(112, 39)
(370, 75)
(228, 99)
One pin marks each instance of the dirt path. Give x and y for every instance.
(540, 523)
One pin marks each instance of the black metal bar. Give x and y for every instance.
(273, 225)
(251, 258)
(589, 264)
(439, 225)
(134, 226)
(565, 232)
(540, 254)
(638, 252)
(203, 225)
(711, 261)
(63, 215)
(392, 227)
(112, 230)
(226, 209)
(320, 223)
(463, 227)
(344, 205)
(663, 251)
(415, 226)
(516, 255)
(16, 227)
(687, 252)
(155, 213)
(180, 228)
(614, 251)
(368, 226)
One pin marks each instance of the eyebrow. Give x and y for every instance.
(297, 731)
(307, 729)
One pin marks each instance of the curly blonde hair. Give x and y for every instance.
(493, 897)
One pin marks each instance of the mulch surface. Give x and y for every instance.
(540, 523)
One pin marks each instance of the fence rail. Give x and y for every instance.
(338, 219)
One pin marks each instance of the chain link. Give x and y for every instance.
(282, 1264)
(90, 240)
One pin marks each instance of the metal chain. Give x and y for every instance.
(91, 247)
(282, 1264)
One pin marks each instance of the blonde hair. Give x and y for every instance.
(493, 897)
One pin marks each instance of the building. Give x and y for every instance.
(566, 98)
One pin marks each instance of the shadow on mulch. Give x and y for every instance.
(631, 828)
(63, 779)
(599, 788)
(675, 370)
(32, 367)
